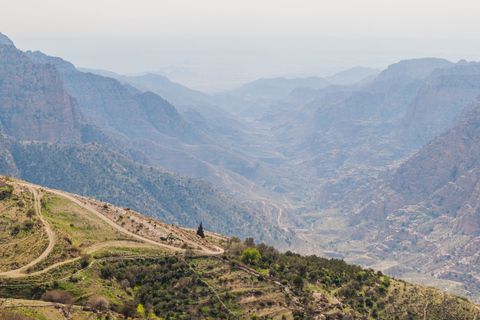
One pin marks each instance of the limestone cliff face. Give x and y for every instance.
(428, 214)
(114, 107)
(33, 102)
(436, 104)
(443, 177)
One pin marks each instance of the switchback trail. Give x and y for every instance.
(17, 273)
(51, 238)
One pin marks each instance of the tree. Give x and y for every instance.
(249, 242)
(250, 255)
(298, 282)
(129, 309)
(98, 304)
(30, 213)
(200, 231)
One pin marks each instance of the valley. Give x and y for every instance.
(377, 168)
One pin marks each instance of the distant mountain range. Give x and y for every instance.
(378, 168)
(36, 107)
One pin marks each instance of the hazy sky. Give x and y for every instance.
(262, 37)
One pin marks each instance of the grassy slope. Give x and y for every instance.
(21, 238)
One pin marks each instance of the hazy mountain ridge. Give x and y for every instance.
(113, 107)
(143, 117)
(350, 134)
(5, 40)
(163, 117)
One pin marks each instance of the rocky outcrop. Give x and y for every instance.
(442, 176)
(427, 216)
(34, 104)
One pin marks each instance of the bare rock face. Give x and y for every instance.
(437, 103)
(34, 104)
(428, 214)
(113, 107)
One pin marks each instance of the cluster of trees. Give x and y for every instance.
(347, 281)
(166, 287)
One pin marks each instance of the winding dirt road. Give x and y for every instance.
(17, 273)
(125, 231)
(50, 234)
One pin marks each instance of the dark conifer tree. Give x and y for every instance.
(200, 231)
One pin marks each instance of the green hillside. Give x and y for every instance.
(106, 262)
(95, 171)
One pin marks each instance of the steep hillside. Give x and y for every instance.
(109, 262)
(345, 138)
(426, 215)
(437, 103)
(95, 171)
(34, 104)
(114, 107)
(150, 124)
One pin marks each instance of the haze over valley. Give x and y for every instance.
(336, 173)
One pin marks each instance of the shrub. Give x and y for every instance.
(382, 288)
(28, 225)
(386, 281)
(250, 255)
(57, 295)
(98, 304)
(85, 260)
(11, 315)
(129, 309)
(6, 191)
(31, 213)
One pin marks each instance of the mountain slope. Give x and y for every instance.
(141, 119)
(427, 215)
(115, 108)
(34, 104)
(95, 171)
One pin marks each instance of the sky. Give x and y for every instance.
(212, 44)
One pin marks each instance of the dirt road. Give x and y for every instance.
(125, 231)
(50, 234)
(21, 271)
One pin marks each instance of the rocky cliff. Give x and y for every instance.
(427, 216)
(437, 103)
(114, 107)
(35, 104)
